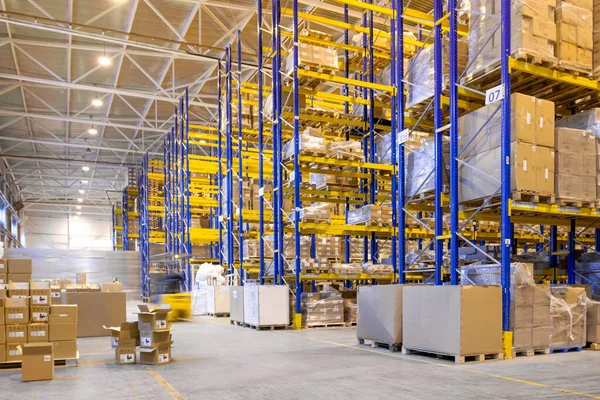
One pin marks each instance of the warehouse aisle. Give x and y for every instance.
(215, 360)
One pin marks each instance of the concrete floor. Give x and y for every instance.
(216, 360)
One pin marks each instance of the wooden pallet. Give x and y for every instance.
(65, 362)
(576, 203)
(348, 324)
(575, 68)
(593, 346)
(393, 347)
(327, 325)
(266, 327)
(236, 323)
(565, 350)
(458, 359)
(531, 352)
(316, 271)
(523, 196)
(218, 315)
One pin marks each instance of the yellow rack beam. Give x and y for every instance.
(553, 74)
(346, 81)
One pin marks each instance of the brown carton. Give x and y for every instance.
(525, 173)
(524, 296)
(40, 293)
(96, 310)
(16, 333)
(151, 339)
(3, 266)
(63, 314)
(541, 315)
(3, 278)
(19, 277)
(112, 287)
(153, 319)
(540, 337)
(125, 335)
(19, 266)
(37, 332)
(523, 316)
(2, 336)
(544, 123)
(81, 278)
(575, 141)
(587, 4)
(16, 311)
(12, 352)
(156, 356)
(55, 291)
(523, 118)
(18, 289)
(593, 323)
(63, 332)
(522, 338)
(39, 313)
(65, 350)
(541, 295)
(544, 158)
(2, 353)
(38, 362)
(125, 355)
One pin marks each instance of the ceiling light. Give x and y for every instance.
(84, 182)
(81, 191)
(78, 213)
(92, 131)
(104, 61)
(97, 102)
(85, 168)
(78, 207)
(79, 200)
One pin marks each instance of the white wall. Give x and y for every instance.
(68, 232)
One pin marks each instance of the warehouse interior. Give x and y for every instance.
(294, 198)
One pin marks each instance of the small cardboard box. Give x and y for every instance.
(65, 349)
(153, 319)
(63, 314)
(522, 338)
(125, 355)
(3, 277)
(3, 266)
(540, 337)
(19, 277)
(151, 339)
(16, 333)
(40, 293)
(112, 287)
(2, 337)
(2, 353)
(12, 352)
(63, 331)
(38, 362)
(18, 289)
(156, 356)
(126, 335)
(19, 266)
(39, 313)
(37, 332)
(16, 311)
(81, 278)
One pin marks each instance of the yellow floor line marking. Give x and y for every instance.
(507, 378)
(166, 385)
(132, 388)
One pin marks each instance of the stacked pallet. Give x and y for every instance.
(574, 24)
(325, 308)
(568, 318)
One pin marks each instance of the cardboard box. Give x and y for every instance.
(3, 266)
(65, 350)
(40, 293)
(81, 278)
(19, 277)
(153, 319)
(3, 278)
(544, 123)
(63, 314)
(540, 337)
(2, 353)
(522, 317)
(576, 188)
(2, 336)
(39, 313)
(112, 287)
(151, 339)
(544, 164)
(12, 352)
(577, 141)
(96, 310)
(19, 266)
(541, 316)
(523, 118)
(37, 332)
(523, 296)
(541, 295)
(471, 317)
(125, 355)
(38, 362)
(593, 323)
(63, 332)
(18, 289)
(156, 356)
(380, 313)
(16, 333)
(125, 335)
(522, 339)
(16, 311)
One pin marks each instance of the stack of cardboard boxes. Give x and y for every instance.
(593, 325)
(568, 317)
(19, 270)
(575, 165)
(155, 335)
(124, 339)
(530, 318)
(62, 326)
(532, 136)
(574, 27)
(322, 308)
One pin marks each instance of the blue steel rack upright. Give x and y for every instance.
(144, 227)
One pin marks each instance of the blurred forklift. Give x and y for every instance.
(166, 287)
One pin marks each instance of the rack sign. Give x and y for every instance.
(494, 94)
(403, 136)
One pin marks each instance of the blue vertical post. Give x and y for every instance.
(125, 215)
(261, 182)
(229, 161)
(186, 185)
(399, 61)
(276, 140)
(505, 231)
(220, 163)
(597, 239)
(346, 92)
(554, 249)
(297, 175)
(539, 246)
(364, 91)
(240, 146)
(393, 145)
(373, 183)
(437, 124)
(571, 258)
(453, 92)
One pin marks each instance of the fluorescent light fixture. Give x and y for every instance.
(84, 182)
(79, 200)
(78, 207)
(104, 61)
(85, 168)
(93, 131)
(81, 191)
(78, 212)
(97, 102)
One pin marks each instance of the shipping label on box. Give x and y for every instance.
(125, 355)
(39, 313)
(154, 338)
(38, 332)
(16, 334)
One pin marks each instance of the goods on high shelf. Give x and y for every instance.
(574, 24)
(576, 165)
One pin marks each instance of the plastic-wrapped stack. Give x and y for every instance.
(311, 143)
(420, 165)
(568, 317)
(574, 27)
(322, 308)
(316, 213)
(328, 247)
(576, 167)
(371, 215)
(533, 32)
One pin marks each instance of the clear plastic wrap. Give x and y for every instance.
(568, 308)
(346, 150)
(309, 145)
(371, 214)
(313, 56)
(347, 269)
(328, 247)
(420, 166)
(589, 273)
(586, 120)
(316, 213)
(574, 27)
(378, 269)
(322, 308)
(533, 32)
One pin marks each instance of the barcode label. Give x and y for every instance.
(16, 334)
(127, 358)
(15, 316)
(47, 358)
(163, 358)
(38, 333)
(13, 352)
(40, 300)
(56, 295)
(146, 341)
(161, 324)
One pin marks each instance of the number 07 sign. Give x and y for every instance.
(494, 94)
